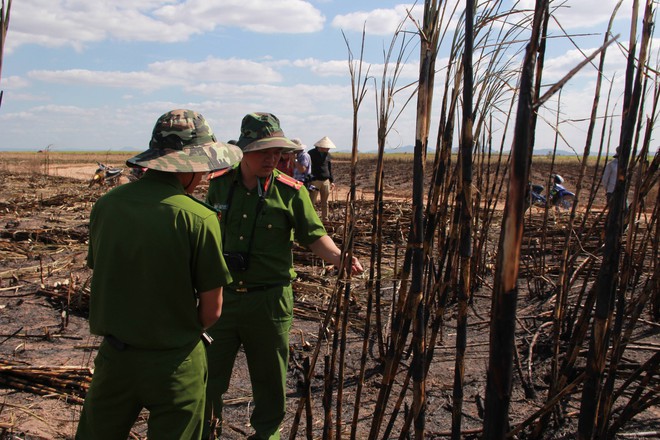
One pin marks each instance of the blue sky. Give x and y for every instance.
(95, 75)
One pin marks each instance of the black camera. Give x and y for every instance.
(236, 261)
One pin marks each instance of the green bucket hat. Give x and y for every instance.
(261, 131)
(183, 142)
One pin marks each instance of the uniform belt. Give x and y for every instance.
(257, 288)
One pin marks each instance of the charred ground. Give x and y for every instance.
(46, 348)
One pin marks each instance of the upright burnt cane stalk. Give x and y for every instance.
(465, 207)
(607, 428)
(384, 105)
(4, 26)
(428, 53)
(410, 307)
(505, 289)
(322, 334)
(561, 302)
(437, 209)
(606, 282)
(358, 91)
(577, 323)
(621, 337)
(497, 79)
(491, 71)
(337, 305)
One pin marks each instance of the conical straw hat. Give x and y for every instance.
(325, 142)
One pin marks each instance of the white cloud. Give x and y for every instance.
(228, 75)
(136, 80)
(13, 82)
(261, 16)
(339, 68)
(556, 68)
(78, 23)
(218, 70)
(294, 99)
(377, 21)
(164, 74)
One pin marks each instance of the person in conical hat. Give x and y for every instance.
(158, 276)
(262, 212)
(322, 177)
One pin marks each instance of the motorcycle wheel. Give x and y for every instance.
(565, 201)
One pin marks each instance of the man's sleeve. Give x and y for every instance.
(308, 227)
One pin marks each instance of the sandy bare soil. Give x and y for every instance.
(44, 289)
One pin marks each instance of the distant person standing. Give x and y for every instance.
(609, 175)
(302, 170)
(322, 173)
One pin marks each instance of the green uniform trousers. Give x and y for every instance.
(259, 320)
(168, 383)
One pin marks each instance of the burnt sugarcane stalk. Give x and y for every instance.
(637, 303)
(327, 398)
(465, 207)
(335, 303)
(4, 26)
(397, 406)
(309, 416)
(505, 293)
(358, 89)
(428, 53)
(323, 330)
(606, 284)
(384, 101)
(410, 308)
(400, 328)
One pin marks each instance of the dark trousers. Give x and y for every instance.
(259, 321)
(169, 383)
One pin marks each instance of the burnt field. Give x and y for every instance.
(46, 351)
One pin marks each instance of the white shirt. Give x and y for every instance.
(609, 176)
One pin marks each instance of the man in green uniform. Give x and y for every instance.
(157, 285)
(262, 212)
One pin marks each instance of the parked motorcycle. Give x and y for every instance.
(105, 175)
(559, 196)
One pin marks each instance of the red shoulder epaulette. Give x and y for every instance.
(218, 173)
(289, 181)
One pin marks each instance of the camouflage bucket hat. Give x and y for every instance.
(183, 142)
(261, 131)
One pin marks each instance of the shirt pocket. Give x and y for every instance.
(274, 227)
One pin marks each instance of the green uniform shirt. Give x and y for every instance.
(152, 248)
(267, 238)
